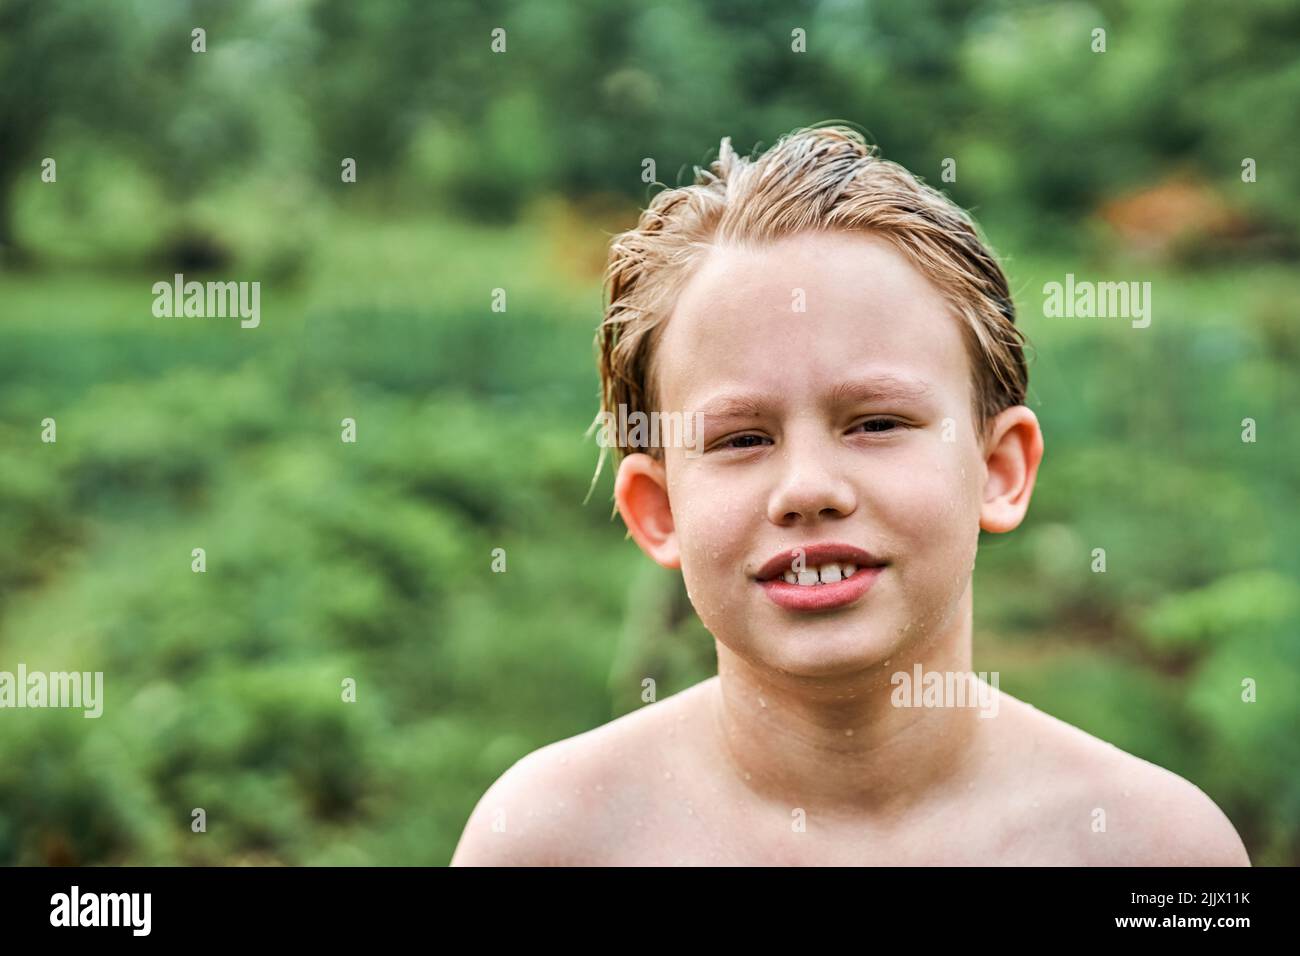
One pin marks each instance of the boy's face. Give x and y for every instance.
(849, 422)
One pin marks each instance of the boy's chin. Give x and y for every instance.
(828, 651)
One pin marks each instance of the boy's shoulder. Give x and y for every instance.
(1114, 808)
(570, 802)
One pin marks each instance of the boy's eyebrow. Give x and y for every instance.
(879, 388)
(732, 406)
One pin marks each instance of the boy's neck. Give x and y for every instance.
(842, 744)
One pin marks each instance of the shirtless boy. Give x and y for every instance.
(850, 342)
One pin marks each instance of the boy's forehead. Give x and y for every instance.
(807, 312)
(842, 266)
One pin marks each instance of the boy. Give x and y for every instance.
(850, 343)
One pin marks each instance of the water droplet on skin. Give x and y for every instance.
(762, 702)
(1126, 793)
(848, 732)
(600, 787)
(746, 776)
(668, 775)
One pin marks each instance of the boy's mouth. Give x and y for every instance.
(833, 576)
(820, 564)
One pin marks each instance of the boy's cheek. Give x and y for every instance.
(929, 527)
(714, 515)
(717, 549)
(711, 591)
(713, 557)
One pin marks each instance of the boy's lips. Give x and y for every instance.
(854, 571)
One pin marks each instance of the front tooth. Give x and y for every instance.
(807, 577)
(790, 578)
(849, 570)
(830, 573)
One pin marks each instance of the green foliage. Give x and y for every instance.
(588, 89)
(1243, 605)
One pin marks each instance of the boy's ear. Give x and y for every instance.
(1012, 453)
(641, 493)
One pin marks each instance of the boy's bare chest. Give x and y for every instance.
(677, 830)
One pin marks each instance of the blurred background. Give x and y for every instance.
(479, 170)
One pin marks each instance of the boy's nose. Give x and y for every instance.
(810, 488)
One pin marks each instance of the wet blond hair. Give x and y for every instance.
(823, 178)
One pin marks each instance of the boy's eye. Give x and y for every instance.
(873, 425)
(878, 424)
